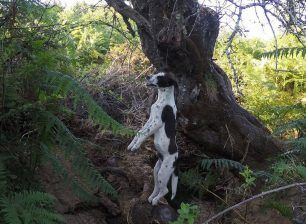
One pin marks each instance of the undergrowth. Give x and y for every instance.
(188, 214)
(38, 98)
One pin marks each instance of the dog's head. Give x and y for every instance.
(161, 80)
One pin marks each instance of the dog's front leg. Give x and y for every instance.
(148, 129)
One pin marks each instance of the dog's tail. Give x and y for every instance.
(174, 181)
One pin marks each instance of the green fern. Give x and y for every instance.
(192, 178)
(298, 124)
(65, 86)
(296, 143)
(285, 52)
(25, 206)
(220, 163)
(282, 208)
(301, 171)
(53, 136)
(197, 181)
(29, 207)
(57, 134)
(3, 175)
(32, 112)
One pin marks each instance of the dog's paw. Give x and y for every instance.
(130, 145)
(155, 201)
(134, 147)
(150, 199)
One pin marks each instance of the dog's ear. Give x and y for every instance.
(171, 79)
(166, 80)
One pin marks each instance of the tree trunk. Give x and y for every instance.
(180, 35)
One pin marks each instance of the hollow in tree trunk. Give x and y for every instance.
(180, 35)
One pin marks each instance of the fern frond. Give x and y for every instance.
(44, 216)
(57, 134)
(29, 207)
(302, 171)
(298, 124)
(192, 179)
(298, 144)
(34, 198)
(9, 212)
(220, 163)
(285, 52)
(15, 111)
(290, 129)
(81, 191)
(49, 156)
(282, 208)
(3, 178)
(198, 182)
(66, 85)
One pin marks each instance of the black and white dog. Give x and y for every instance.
(162, 123)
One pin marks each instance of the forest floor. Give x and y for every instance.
(131, 174)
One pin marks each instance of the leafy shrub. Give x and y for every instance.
(37, 99)
(188, 214)
(249, 178)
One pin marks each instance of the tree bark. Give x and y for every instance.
(180, 35)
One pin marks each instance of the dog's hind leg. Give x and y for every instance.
(174, 180)
(164, 174)
(156, 187)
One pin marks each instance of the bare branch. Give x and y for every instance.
(128, 25)
(128, 12)
(261, 195)
(261, 4)
(227, 51)
(275, 39)
(235, 75)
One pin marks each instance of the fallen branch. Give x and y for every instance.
(253, 198)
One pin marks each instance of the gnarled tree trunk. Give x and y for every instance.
(180, 35)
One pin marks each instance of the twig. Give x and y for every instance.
(228, 48)
(249, 5)
(235, 75)
(275, 38)
(246, 151)
(235, 31)
(261, 195)
(230, 138)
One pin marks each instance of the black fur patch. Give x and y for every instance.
(165, 81)
(168, 118)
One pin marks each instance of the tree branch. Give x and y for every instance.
(228, 51)
(253, 198)
(275, 39)
(249, 5)
(128, 12)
